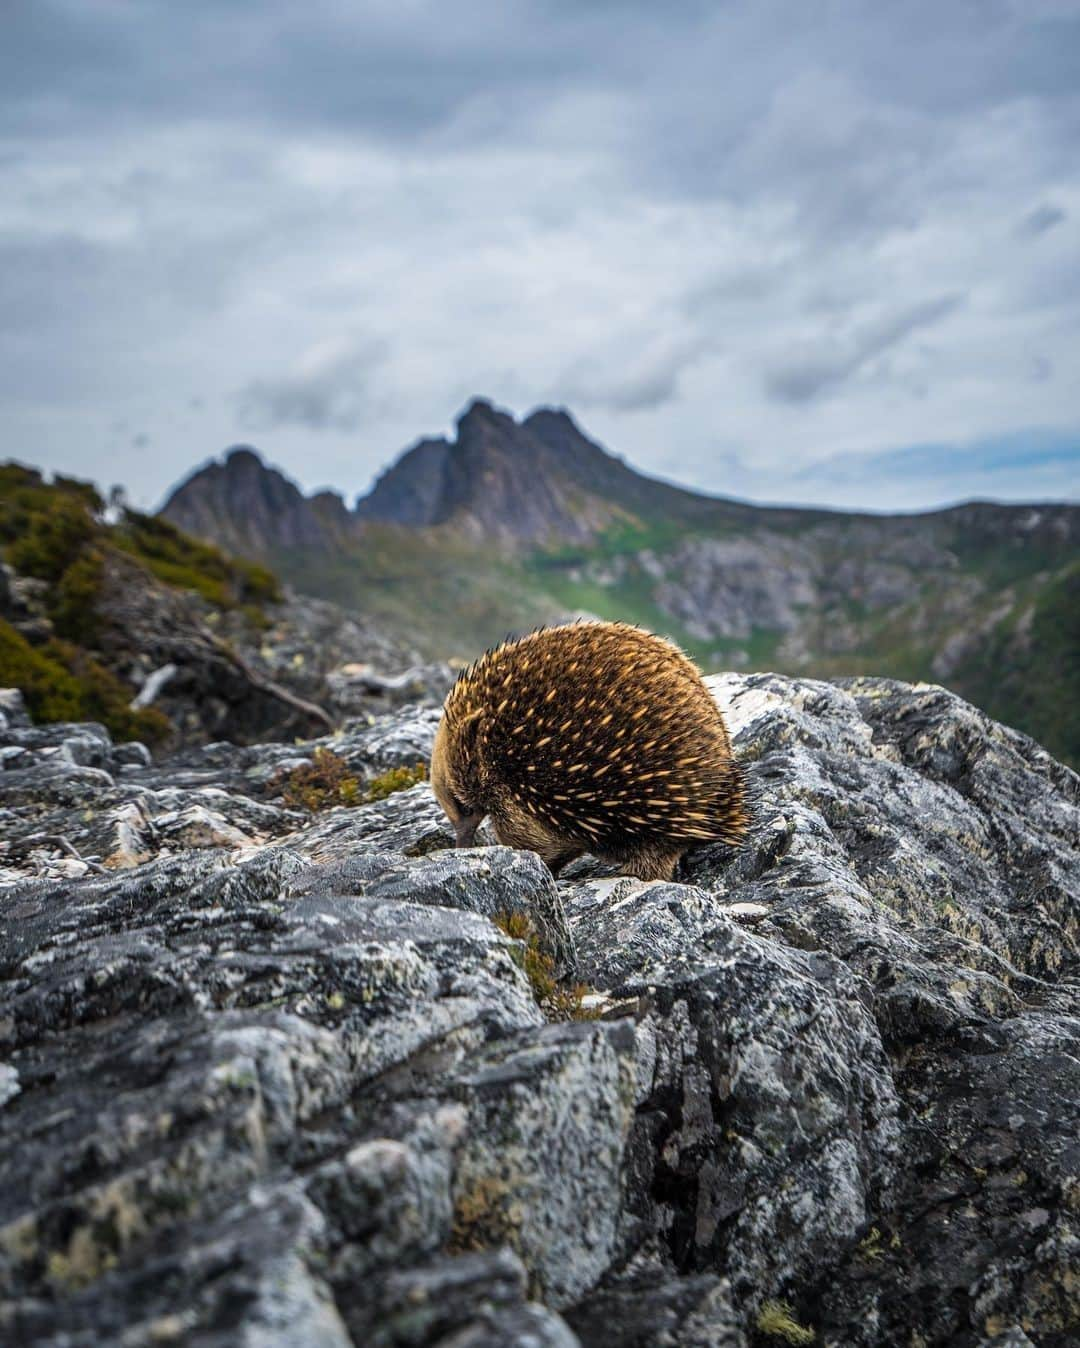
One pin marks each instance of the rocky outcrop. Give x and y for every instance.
(274, 1078)
(301, 666)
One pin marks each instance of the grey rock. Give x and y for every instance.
(354, 688)
(629, 927)
(274, 1078)
(541, 1170)
(480, 1297)
(647, 1308)
(12, 709)
(493, 881)
(729, 587)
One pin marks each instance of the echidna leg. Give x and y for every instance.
(556, 860)
(654, 862)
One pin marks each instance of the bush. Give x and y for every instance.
(73, 606)
(47, 541)
(60, 682)
(396, 779)
(320, 784)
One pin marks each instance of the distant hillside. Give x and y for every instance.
(110, 615)
(514, 523)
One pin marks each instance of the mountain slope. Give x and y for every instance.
(121, 618)
(514, 523)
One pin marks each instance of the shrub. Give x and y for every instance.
(73, 604)
(49, 539)
(396, 779)
(320, 784)
(60, 682)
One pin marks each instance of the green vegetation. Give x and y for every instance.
(57, 532)
(396, 779)
(187, 564)
(776, 1321)
(320, 784)
(557, 1001)
(1027, 674)
(61, 682)
(73, 607)
(447, 594)
(455, 596)
(628, 537)
(627, 600)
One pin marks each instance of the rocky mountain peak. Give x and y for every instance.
(528, 483)
(503, 481)
(252, 509)
(552, 420)
(481, 410)
(241, 457)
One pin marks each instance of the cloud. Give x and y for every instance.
(1040, 219)
(819, 370)
(328, 391)
(641, 373)
(1020, 451)
(1037, 463)
(748, 224)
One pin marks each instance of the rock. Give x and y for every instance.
(494, 881)
(730, 587)
(358, 688)
(541, 1168)
(272, 1077)
(154, 682)
(12, 709)
(648, 1308)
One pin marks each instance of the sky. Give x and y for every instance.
(820, 251)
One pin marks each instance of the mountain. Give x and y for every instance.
(513, 523)
(253, 511)
(537, 483)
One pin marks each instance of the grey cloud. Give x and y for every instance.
(632, 379)
(618, 206)
(1039, 220)
(650, 388)
(329, 394)
(393, 71)
(808, 376)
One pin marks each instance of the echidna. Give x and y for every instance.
(593, 737)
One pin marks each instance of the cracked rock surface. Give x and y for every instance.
(277, 1078)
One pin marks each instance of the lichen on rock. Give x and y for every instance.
(279, 1077)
